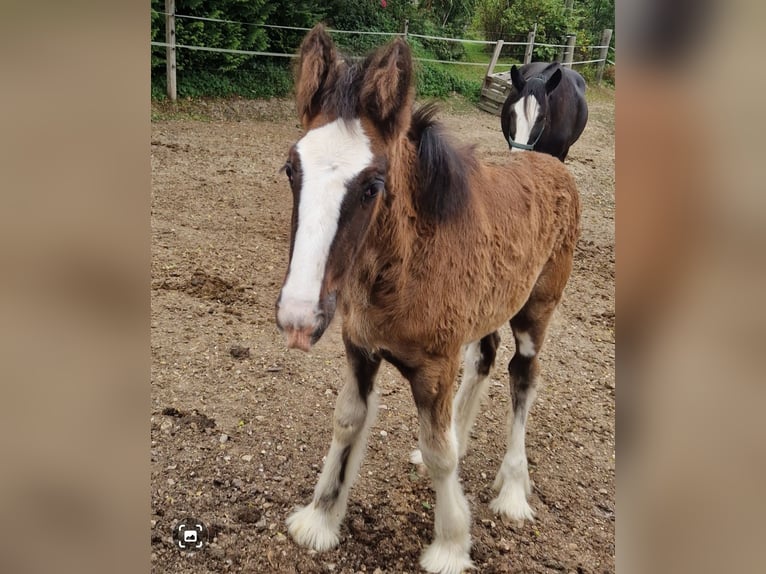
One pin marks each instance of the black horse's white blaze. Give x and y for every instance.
(527, 110)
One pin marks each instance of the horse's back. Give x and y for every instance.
(535, 188)
(525, 214)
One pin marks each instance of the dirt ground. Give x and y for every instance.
(240, 425)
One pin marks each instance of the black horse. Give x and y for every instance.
(545, 110)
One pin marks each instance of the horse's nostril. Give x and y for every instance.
(300, 338)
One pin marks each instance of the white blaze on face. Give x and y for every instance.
(330, 156)
(527, 110)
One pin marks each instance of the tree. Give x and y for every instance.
(514, 19)
(450, 14)
(505, 19)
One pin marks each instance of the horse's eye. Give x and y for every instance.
(373, 189)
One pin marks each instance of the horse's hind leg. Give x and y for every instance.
(317, 525)
(478, 359)
(528, 327)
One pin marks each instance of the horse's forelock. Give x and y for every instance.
(342, 100)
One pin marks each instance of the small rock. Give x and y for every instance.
(279, 537)
(238, 482)
(223, 438)
(247, 457)
(383, 433)
(166, 426)
(240, 352)
(377, 571)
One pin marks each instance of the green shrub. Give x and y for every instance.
(260, 80)
(434, 81)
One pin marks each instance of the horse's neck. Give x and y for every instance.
(397, 222)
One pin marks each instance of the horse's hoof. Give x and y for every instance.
(512, 503)
(446, 558)
(312, 528)
(416, 457)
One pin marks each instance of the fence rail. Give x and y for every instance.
(171, 45)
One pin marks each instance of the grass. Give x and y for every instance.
(603, 93)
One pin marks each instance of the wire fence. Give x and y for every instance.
(566, 51)
(362, 32)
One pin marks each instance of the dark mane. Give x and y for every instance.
(442, 169)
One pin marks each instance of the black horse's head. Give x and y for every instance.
(527, 107)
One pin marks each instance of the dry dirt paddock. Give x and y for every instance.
(239, 425)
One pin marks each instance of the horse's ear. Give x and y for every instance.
(386, 94)
(553, 81)
(517, 79)
(316, 69)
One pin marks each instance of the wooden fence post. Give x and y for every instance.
(530, 46)
(606, 38)
(495, 56)
(406, 29)
(569, 51)
(170, 51)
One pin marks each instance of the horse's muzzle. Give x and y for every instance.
(304, 323)
(299, 338)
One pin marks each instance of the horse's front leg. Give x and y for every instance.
(449, 553)
(317, 525)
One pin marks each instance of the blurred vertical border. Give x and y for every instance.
(75, 186)
(691, 321)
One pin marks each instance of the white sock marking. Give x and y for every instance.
(526, 346)
(318, 527)
(450, 550)
(512, 479)
(469, 396)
